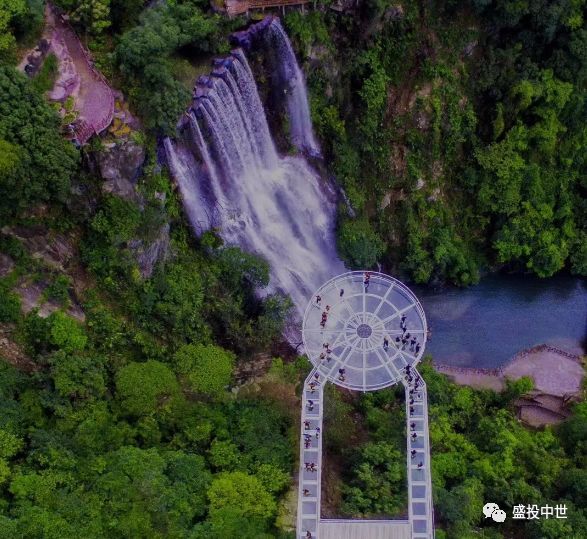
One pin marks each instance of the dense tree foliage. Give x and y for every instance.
(143, 57)
(455, 130)
(36, 163)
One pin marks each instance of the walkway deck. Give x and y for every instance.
(311, 452)
(365, 331)
(419, 478)
(364, 529)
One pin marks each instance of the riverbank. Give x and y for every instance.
(558, 380)
(553, 370)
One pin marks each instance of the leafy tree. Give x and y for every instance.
(244, 494)
(224, 455)
(78, 376)
(206, 369)
(93, 15)
(9, 10)
(9, 304)
(67, 333)
(229, 522)
(143, 57)
(462, 505)
(377, 480)
(146, 388)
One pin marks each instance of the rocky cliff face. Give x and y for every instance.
(120, 166)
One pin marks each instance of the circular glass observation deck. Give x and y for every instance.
(361, 329)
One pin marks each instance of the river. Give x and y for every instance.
(485, 325)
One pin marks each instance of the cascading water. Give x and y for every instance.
(231, 177)
(288, 76)
(293, 83)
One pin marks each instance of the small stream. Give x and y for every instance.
(485, 325)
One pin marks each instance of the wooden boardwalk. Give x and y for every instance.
(238, 7)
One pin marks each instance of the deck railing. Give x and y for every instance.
(237, 7)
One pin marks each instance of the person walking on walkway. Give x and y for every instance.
(367, 280)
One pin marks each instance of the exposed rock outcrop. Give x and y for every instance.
(12, 352)
(6, 265)
(149, 253)
(55, 250)
(120, 166)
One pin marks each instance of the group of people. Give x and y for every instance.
(310, 467)
(314, 383)
(324, 312)
(414, 381)
(308, 426)
(326, 354)
(406, 337)
(324, 316)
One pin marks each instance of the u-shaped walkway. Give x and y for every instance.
(420, 524)
(365, 331)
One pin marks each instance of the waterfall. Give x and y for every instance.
(290, 83)
(293, 85)
(231, 177)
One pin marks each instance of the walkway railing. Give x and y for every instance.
(418, 458)
(421, 515)
(237, 7)
(310, 478)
